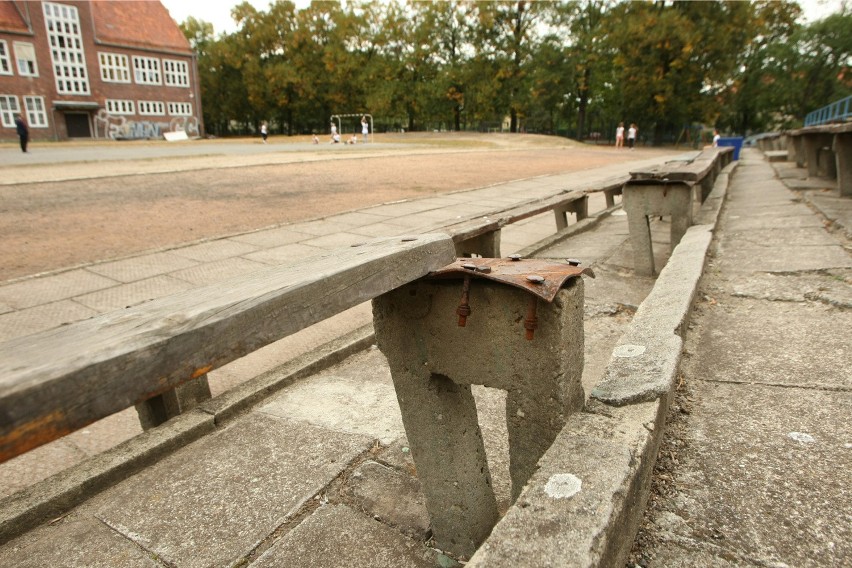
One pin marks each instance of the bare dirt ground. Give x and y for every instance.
(117, 208)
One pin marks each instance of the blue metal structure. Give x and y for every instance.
(838, 111)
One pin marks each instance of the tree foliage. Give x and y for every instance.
(565, 66)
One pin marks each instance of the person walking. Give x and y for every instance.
(619, 135)
(631, 135)
(264, 131)
(365, 128)
(23, 132)
(716, 138)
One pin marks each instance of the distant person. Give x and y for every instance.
(264, 131)
(365, 128)
(353, 140)
(23, 132)
(619, 135)
(631, 135)
(335, 137)
(315, 140)
(716, 138)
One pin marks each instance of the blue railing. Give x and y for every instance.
(835, 112)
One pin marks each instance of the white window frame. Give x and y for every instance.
(65, 39)
(146, 70)
(5, 60)
(180, 109)
(36, 113)
(120, 106)
(115, 67)
(151, 108)
(8, 111)
(176, 73)
(25, 52)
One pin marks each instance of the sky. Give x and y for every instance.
(218, 12)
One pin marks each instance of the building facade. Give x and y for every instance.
(96, 70)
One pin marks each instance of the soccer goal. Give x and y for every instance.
(355, 126)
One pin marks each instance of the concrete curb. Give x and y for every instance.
(53, 496)
(584, 504)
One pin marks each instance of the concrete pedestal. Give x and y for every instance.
(434, 362)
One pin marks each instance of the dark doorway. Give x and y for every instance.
(77, 124)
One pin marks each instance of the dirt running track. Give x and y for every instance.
(54, 225)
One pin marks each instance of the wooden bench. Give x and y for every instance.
(676, 189)
(826, 151)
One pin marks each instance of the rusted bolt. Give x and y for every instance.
(515, 257)
(531, 321)
(573, 261)
(464, 308)
(535, 278)
(483, 269)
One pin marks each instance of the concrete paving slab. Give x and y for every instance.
(34, 291)
(60, 544)
(790, 258)
(611, 288)
(400, 209)
(141, 267)
(270, 238)
(832, 287)
(39, 318)
(765, 466)
(811, 184)
(777, 348)
(335, 536)
(748, 222)
(119, 297)
(834, 208)
(773, 237)
(356, 396)
(378, 230)
(5, 308)
(357, 219)
(283, 254)
(779, 212)
(217, 270)
(391, 496)
(320, 227)
(219, 249)
(215, 500)
(37, 464)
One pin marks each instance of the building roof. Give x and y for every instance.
(10, 18)
(139, 24)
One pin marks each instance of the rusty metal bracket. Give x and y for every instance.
(542, 278)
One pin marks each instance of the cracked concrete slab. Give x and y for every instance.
(104, 547)
(765, 466)
(832, 287)
(335, 536)
(214, 501)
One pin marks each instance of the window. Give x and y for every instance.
(115, 67)
(8, 109)
(120, 106)
(180, 109)
(5, 63)
(176, 73)
(146, 70)
(36, 116)
(25, 57)
(152, 108)
(66, 49)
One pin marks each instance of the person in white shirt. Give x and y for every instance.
(631, 135)
(619, 135)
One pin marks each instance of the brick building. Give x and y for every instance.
(95, 69)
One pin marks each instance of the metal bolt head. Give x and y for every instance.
(483, 269)
(515, 257)
(573, 261)
(408, 239)
(535, 278)
(468, 266)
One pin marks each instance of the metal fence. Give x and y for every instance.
(838, 111)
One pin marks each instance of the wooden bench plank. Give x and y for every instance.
(60, 380)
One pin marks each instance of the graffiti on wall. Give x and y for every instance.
(117, 127)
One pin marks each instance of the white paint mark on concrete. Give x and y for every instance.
(625, 351)
(563, 486)
(802, 437)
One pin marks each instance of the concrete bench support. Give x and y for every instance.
(843, 152)
(434, 362)
(642, 201)
(183, 398)
(580, 207)
(816, 148)
(485, 245)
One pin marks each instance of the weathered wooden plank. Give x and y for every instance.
(679, 171)
(57, 381)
